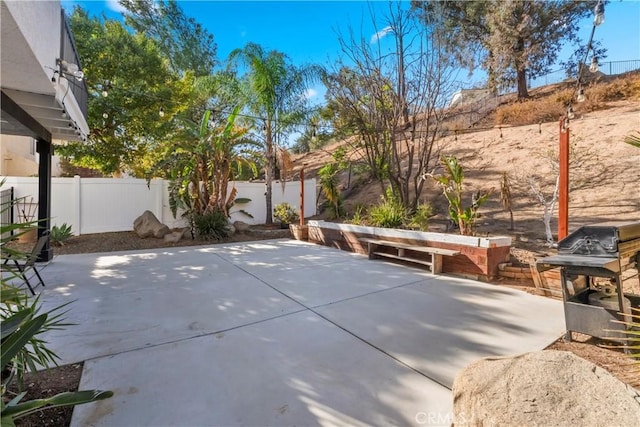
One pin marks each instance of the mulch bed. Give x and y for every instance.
(48, 383)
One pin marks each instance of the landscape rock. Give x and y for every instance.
(147, 225)
(542, 388)
(241, 227)
(175, 236)
(231, 229)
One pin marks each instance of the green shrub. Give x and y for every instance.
(285, 214)
(388, 214)
(359, 216)
(420, 219)
(211, 225)
(61, 234)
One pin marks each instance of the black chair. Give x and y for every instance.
(20, 267)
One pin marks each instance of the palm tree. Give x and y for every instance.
(275, 91)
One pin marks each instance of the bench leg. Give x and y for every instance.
(371, 247)
(436, 266)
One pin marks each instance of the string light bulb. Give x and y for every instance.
(105, 115)
(105, 93)
(570, 113)
(594, 65)
(161, 113)
(64, 114)
(598, 11)
(580, 97)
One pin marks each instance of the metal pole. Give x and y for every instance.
(302, 196)
(45, 149)
(563, 190)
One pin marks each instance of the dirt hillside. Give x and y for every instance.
(608, 182)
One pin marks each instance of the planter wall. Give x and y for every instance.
(479, 256)
(299, 232)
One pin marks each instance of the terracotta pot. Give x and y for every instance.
(28, 235)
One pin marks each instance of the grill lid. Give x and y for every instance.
(599, 240)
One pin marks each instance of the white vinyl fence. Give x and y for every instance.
(99, 205)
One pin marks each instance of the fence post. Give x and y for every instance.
(77, 202)
(159, 198)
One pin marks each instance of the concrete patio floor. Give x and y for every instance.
(279, 332)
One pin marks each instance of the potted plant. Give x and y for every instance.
(285, 214)
(28, 233)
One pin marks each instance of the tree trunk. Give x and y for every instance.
(521, 71)
(523, 92)
(268, 175)
(546, 218)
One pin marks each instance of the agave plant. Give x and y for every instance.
(60, 234)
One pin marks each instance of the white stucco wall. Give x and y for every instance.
(18, 157)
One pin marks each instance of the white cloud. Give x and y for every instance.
(115, 6)
(310, 93)
(380, 34)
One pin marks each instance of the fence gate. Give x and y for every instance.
(6, 216)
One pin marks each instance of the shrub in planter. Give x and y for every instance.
(420, 219)
(388, 214)
(285, 213)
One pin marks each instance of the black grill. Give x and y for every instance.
(595, 246)
(594, 259)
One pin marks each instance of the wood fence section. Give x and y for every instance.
(99, 205)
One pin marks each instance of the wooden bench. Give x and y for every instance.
(436, 253)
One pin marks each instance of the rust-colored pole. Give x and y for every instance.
(301, 196)
(563, 190)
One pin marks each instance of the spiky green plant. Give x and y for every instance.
(389, 213)
(60, 234)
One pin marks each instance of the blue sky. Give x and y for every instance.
(306, 30)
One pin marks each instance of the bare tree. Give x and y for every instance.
(393, 102)
(543, 184)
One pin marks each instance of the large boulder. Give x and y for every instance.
(175, 236)
(241, 227)
(542, 388)
(147, 225)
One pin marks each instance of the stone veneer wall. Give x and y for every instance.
(479, 256)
